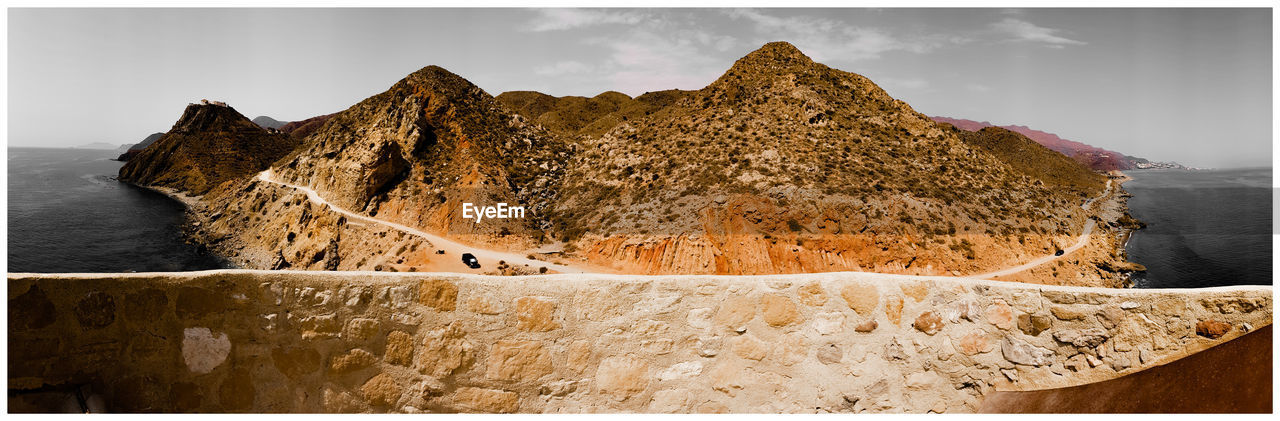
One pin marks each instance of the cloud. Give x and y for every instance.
(654, 50)
(649, 60)
(562, 19)
(560, 68)
(977, 87)
(1024, 31)
(827, 39)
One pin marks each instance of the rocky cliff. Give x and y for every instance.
(209, 145)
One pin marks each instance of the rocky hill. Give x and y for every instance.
(575, 115)
(303, 128)
(1034, 160)
(267, 122)
(207, 146)
(1093, 157)
(133, 150)
(786, 165)
(412, 155)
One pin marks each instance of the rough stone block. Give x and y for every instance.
(779, 310)
(622, 377)
(399, 348)
(534, 314)
(487, 400)
(812, 294)
(862, 298)
(202, 350)
(96, 310)
(381, 390)
(735, 312)
(519, 361)
(444, 351)
(439, 294)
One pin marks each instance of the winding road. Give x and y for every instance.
(1080, 242)
(490, 258)
(487, 258)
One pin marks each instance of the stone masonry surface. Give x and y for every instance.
(263, 341)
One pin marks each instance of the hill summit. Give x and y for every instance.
(209, 145)
(786, 165)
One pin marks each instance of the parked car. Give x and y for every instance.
(470, 260)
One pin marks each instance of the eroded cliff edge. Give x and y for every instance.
(264, 341)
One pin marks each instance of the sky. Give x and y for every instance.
(1186, 85)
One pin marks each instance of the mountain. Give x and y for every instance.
(786, 165)
(97, 145)
(304, 128)
(1093, 157)
(781, 165)
(1034, 160)
(411, 155)
(267, 122)
(209, 145)
(132, 151)
(575, 115)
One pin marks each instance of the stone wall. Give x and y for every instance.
(263, 341)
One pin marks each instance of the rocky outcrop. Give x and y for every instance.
(208, 146)
(415, 153)
(256, 341)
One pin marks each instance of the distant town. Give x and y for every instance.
(1162, 166)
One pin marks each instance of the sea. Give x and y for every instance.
(1205, 228)
(67, 213)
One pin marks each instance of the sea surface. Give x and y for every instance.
(1204, 228)
(67, 213)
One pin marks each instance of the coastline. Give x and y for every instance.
(1127, 229)
(193, 207)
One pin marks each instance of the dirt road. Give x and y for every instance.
(453, 250)
(490, 258)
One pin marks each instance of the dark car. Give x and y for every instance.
(1058, 253)
(470, 260)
